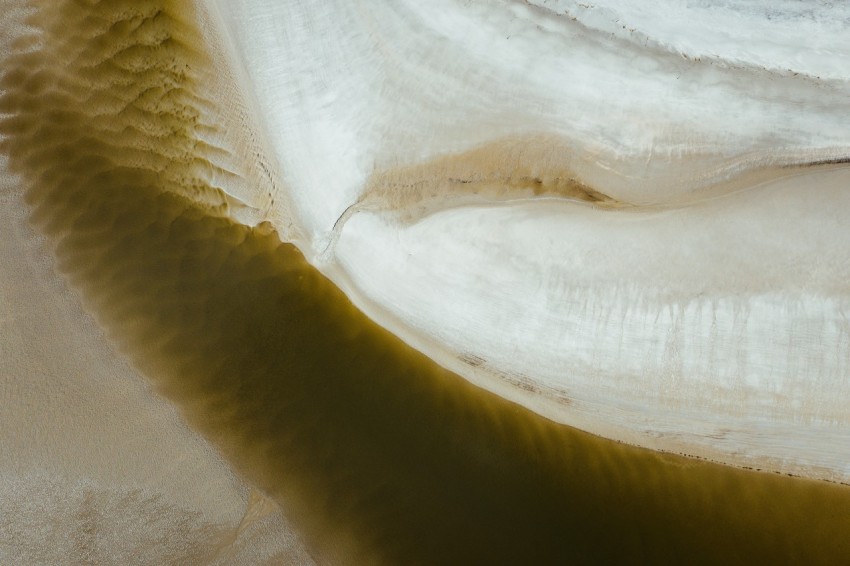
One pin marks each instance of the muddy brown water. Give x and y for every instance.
(378, 454)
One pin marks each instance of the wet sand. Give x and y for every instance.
(96, 467)
(380, 455)
(377, 454)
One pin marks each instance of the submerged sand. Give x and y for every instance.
(97, 468)
(377, 454)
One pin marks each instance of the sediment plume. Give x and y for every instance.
(348, 446)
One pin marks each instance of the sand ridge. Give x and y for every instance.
(377, 453)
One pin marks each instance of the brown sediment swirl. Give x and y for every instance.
(379, 454)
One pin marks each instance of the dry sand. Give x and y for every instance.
(378, 454)
(95, 467)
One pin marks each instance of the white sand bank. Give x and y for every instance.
(719, 329)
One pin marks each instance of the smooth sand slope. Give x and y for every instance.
(631, 221)
(149, 220)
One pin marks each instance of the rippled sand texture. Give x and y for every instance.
(378, 454)
(94, 467)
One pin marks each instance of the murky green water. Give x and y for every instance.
(380, 455)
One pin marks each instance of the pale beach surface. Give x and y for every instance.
(322, 282)
(625, 219)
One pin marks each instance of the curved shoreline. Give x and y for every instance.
(380, 454)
